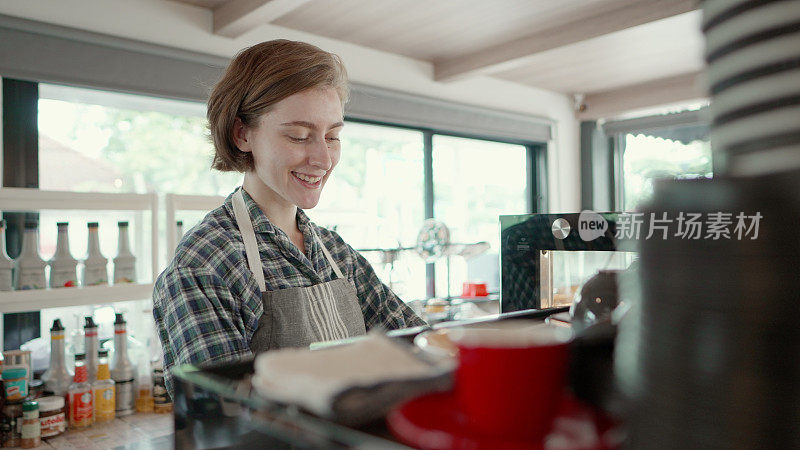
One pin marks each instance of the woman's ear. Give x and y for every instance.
(241, 135)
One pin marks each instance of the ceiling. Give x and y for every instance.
(567, 46)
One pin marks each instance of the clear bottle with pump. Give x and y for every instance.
(95, 265)
(123, 372)
(91, 347)
(178, 231)
(63, 267)
(57, 378)
(79, 396)
(103, 390)
(6, 263)
(124, 262)
(29, 267)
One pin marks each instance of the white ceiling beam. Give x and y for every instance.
(663, 91)
(236, 17)
(511, 54)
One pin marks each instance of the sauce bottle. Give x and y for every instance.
(103, 391)
(57, 378)
(81, 411)
(63, 266)
(123, 372)
(29, 267)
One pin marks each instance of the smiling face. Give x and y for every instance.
(295, 147)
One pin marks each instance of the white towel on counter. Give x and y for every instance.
(353, 383)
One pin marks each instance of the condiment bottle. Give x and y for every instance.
(29, 267)
(95, 266)
(80, 396)
(103, 391)
(52, 416)
(31, 427)
(144, 395)
(124, 262)
(123, 372)
(91, 347)
(6, 263)
(57, 378)
(63, 267)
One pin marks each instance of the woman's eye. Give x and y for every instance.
(332, 138)
(298, 139)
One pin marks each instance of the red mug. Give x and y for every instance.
(510, 378)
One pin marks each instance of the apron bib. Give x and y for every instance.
(299, 316)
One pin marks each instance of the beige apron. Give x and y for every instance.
(296, 317)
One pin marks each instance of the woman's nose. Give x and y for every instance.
(319, 154)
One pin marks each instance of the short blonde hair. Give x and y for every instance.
(256, 79)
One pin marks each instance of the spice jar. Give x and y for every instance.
(15, 380)
(52, 416)
(31, 427)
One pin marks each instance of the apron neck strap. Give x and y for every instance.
(328, 256)
(249, 238)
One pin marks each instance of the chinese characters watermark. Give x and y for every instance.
(714, 226)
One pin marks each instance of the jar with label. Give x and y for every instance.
(15, 381)
(52, 416)
(31, 427)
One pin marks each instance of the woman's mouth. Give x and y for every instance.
(307, 180)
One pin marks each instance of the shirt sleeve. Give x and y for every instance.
(380, 305)
(197, 319)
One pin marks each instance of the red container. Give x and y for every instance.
(511, 391)
(474, 290)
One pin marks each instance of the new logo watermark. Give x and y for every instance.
(685, 225)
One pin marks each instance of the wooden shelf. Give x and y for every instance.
(36, 299)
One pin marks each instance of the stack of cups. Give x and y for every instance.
(753, 56)
(706, 354)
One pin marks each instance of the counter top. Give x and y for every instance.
(140, 431)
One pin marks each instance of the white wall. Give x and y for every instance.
(184, 26)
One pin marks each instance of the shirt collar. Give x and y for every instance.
(261, 223)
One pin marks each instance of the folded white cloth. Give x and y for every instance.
(352, 383)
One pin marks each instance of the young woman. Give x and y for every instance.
(256, 274)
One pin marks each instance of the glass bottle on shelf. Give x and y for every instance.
(29, 266)
(57, 378)
(124, 262)
(63, 266)
(91, 347)
(123, 372)
(178, 231)
(144, 394)
(95, 266)
(103, 390)
(6, 263)
(79, 396)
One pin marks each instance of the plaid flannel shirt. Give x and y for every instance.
(207, 304)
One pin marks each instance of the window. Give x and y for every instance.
(375, 199)
(475, 181)
(648, 157)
